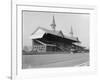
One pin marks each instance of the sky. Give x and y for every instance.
(64, 21)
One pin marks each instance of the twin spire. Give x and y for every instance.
(71, 32)
(53, 26)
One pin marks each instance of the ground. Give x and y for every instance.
(55, 60)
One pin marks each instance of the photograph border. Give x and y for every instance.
(14, 71)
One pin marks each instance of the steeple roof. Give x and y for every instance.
(71, 32)
(53, 25)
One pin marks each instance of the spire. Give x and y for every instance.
(53, 25)
(71, 32)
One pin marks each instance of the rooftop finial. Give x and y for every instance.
(53, 25)
(71, 32)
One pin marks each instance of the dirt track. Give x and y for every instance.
(54, 60)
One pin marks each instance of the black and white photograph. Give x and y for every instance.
(55, 39)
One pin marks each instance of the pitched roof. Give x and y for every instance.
(57, 33)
